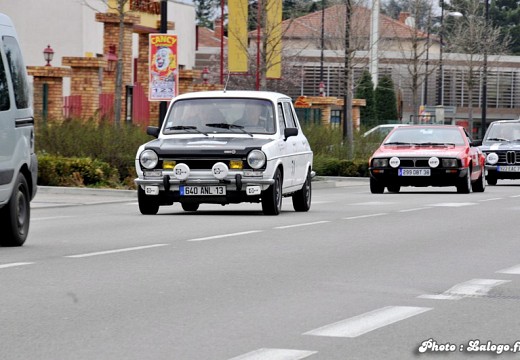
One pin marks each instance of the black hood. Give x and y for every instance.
(206, 145)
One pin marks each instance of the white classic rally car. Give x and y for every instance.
(225, 147)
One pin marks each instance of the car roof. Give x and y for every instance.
(506, 121)
(223, 94)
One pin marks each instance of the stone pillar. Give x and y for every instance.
(86, 81)
(111, 37)
(52, 78)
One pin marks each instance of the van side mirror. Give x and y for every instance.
(153, 131)
(288, 132)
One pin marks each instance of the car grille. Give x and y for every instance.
(204, 163)
(414, 162)
(509, 157)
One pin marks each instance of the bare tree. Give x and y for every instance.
(469, 36)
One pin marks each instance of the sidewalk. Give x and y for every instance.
(53, 196)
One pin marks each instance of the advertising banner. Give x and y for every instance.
(237, 36)
(163, 67)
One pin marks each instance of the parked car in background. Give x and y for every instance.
(225, 147)
(427, 155)
(18, 162)
(501, 146)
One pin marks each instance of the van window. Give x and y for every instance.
(16, 66)
(4, 90)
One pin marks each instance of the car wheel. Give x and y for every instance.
(491, 179)
(16, 215)
(394, 188)
(190, 206)
(376, 187)
(148, 205)
(464, 186)
(480, 184)
(302, 198)
(272, 197)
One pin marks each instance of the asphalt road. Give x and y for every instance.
(360, 276)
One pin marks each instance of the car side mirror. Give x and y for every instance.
(153, 131)
(288, 132)
(476, 143)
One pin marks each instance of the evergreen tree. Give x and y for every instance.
(365, 90)
(204, 13)
(386, 101)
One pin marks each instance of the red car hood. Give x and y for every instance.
(420, 151)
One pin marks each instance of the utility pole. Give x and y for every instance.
(347, 97)
(484, 77)
(163, 106)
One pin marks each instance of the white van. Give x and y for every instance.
(18, 162)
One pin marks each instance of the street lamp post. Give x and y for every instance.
(484, 78)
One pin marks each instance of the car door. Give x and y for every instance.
(291, 150)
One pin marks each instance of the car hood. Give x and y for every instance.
(500, 145)
(206, 145)
(420, 151)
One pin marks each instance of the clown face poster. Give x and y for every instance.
(163, 67)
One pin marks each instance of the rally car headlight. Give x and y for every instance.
(449, 163)
(148, 159)
(256, 159)
(380, 162)
(492, 158)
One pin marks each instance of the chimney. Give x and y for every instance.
(403, 15)
(218, 26)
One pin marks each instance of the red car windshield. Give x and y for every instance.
(425, 136)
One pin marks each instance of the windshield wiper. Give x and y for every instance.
(180, 127)
(398, 143)
(229, 126)
(435, 144)
(496, 139)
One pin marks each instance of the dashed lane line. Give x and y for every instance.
(5, 266)
(415, 209)
(364, 216)
(515, 270)
(304, 224)
(491, 199)
(275, 354)
(115, 251)
(226, 235)
(475, 287)
(364, 323)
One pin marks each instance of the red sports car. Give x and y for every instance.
(428, 155)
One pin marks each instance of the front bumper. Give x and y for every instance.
(438, 177)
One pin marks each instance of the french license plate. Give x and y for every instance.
(202, 190)
(414, 172)
(509, 168)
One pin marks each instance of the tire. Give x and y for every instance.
(148, 205)
(491, 179)
(376, 187)
(464, 185)
(302, 198)
(394, 188)
(272, 197)
(15, 216)
(190, 206)
(480, 184)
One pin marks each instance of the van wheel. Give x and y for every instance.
(190, 206)
(302, 198)
(148, 205)
(272, 197)
(16, 215)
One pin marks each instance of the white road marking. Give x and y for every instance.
(51, 218)
(492, 199)
(4, 266)
(364, 323)
(416, 209)
(115, 251)
(475, 287)
(226, 235)
(374, 203)
(515, 270)
(275, 354)
(304, 224)
(364, 216)
(453, 204)
(515, 196)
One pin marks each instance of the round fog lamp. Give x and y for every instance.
(433, 162)
(181, 171)
(395, 162)
(492, 158)
(220, 170)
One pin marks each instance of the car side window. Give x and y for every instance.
(4, 90)
(289, 117)
(281, 118)
(17, 70)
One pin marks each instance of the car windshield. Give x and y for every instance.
(425, 136)
(229, 115)
(503, 132)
